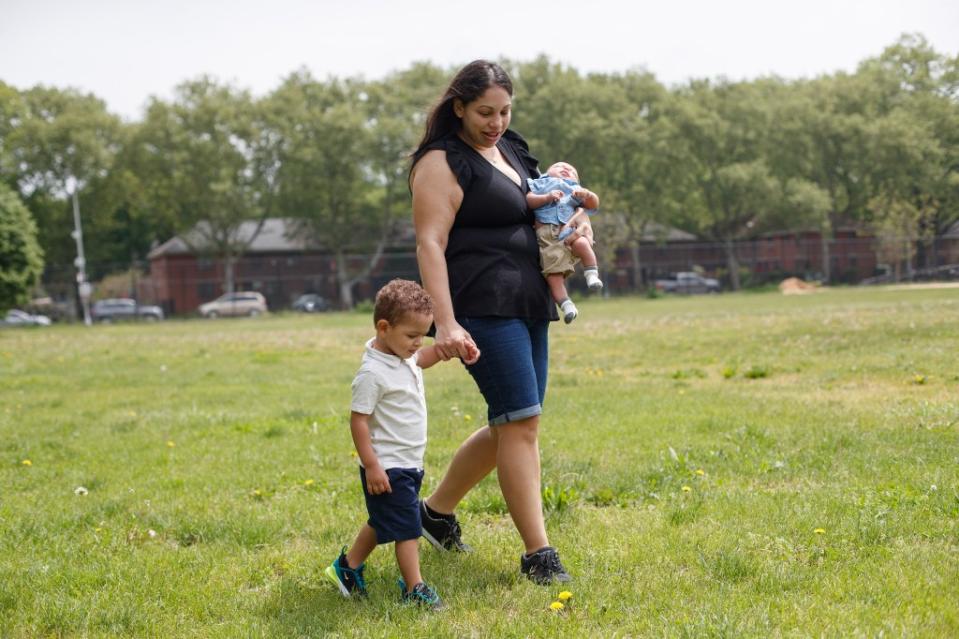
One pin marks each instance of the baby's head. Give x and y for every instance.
(563, 170)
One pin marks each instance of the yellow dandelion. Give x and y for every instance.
(565, 595)
(820, 531)
(308, 482)
(687, 489)
(557, 606)
(353, 453)
(467, 418)
(171, 444)
(27, 462)
(700, 472)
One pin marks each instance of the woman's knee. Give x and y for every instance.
(523, 430)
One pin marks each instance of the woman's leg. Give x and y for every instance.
(518, 469)
(473, 461)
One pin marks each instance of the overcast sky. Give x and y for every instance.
(127, 50)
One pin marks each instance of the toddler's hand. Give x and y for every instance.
(472, 353)
(581, 194)
(556, 195)
(377, 482)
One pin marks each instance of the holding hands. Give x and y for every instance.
(453, 341)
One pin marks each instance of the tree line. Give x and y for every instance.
(724, 160)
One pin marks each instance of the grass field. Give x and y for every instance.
(724, 466)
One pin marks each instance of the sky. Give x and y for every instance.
(125, 51)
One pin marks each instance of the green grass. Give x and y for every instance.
(691, 449)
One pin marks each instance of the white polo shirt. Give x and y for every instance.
(390, 390)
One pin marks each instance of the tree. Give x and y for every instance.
(341, 150)
(919, 138)
(200, 169)
(21, 259)
(57, 142)
(644, 181)
(723, 130)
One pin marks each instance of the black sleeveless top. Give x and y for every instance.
(492, 256)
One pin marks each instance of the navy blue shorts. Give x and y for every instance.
(395, 516)
(511, 370)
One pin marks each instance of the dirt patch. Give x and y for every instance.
(796, 286)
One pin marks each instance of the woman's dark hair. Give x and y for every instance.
(470, 83)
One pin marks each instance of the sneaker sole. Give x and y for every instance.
(331, 573)
(598, 286)
(434, 541)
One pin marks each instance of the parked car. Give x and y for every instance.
(123, 308)
(16, 317)
(248, 303)
(687, 282)
(311, 303)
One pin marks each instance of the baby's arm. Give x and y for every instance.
(588, 199)
(377, 481)
(536, 200)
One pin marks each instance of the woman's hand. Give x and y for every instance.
(453, 341)
(581, 227)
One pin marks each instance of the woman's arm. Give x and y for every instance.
(436, 198)
(581, 227)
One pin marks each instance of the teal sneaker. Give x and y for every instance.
(421, 595)
(350, 581)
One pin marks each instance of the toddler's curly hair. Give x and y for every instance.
(400, 298)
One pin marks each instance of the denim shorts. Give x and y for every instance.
(395, 516)
(511, 370)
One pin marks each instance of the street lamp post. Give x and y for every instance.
(83, 286)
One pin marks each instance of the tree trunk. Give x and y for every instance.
(732, 264)
(824, 241)
(229, 264)
(636, 266)
(344, 281)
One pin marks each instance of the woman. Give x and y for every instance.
(479, 259)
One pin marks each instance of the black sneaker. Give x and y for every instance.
(544, 567)
(421, 595)
(443, 533)
(350, 581)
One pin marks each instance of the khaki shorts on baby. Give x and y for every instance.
(554, 255)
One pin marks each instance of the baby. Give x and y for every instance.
(557, 199)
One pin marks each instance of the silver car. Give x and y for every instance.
(124, 308)
(16, 317)
(243, 303)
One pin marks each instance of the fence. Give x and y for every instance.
(180, 284)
